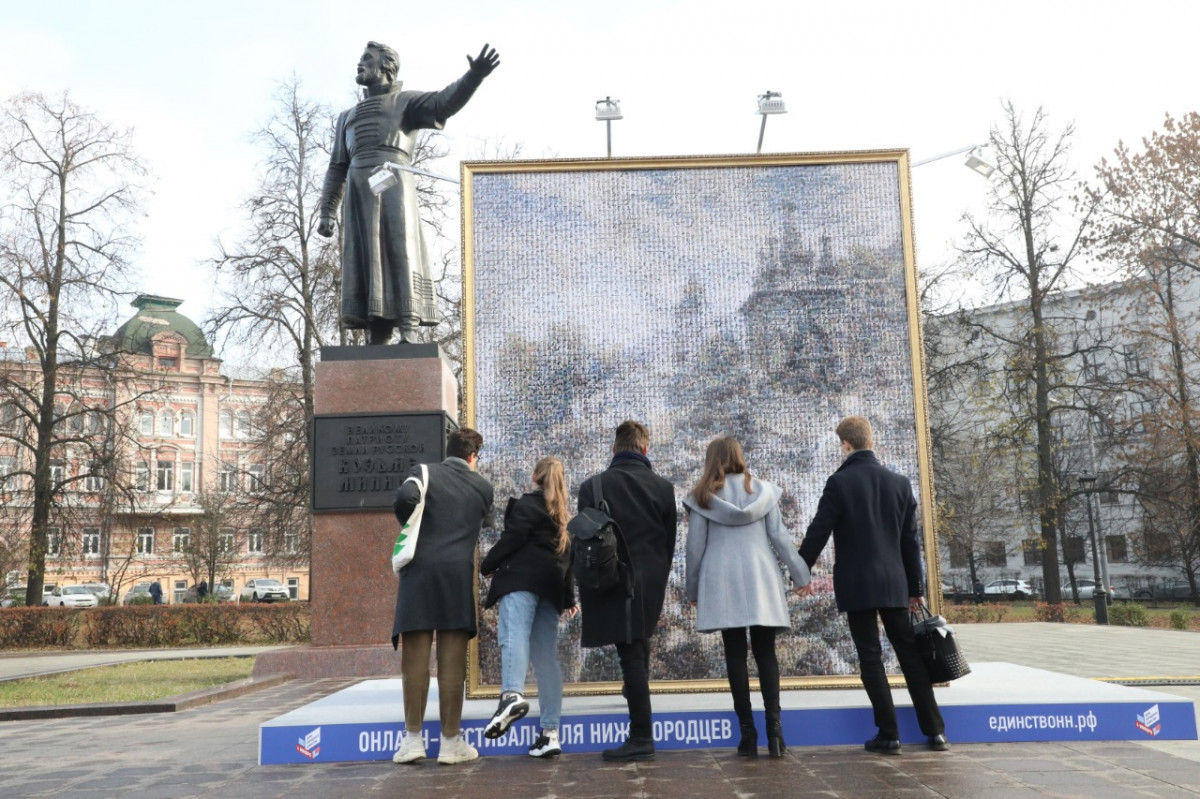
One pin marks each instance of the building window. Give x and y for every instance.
(181, 587)
(146, 423)
(145, 541)
(1158, 546)
(256, 474)
(168, 363)
(293, 586)
(1107, 495)
(8, 465)
(254, 542)
(91, 541)
(166, 422)
(960, 555)
(225, 424)
(187, 424)
(1073, 549)
(141, 476)
(58, 472)
(8, 416)
(1116, 548)
(995, 554)
(291, 543)
(1032, 550)
(243, 425)
(1135, 362)
(182, 539)
(94, 480)
(225, 540)
(95, 422)
(165, 476)
(228, 478)
(187, 477)
(53, 542)
(1093, 367)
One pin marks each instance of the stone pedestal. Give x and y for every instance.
(353, 587)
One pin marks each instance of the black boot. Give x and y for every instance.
(634, 749)
(748, 746)
(775, 744)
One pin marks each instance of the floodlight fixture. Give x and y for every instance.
(975, 160)
(607, 110)
(768, 103)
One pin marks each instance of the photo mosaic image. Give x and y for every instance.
(701, 297)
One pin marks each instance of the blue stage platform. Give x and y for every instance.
(997, 702)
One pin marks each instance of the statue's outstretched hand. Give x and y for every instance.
(325, 227)
(483, 64)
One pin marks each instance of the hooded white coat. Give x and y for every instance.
(732, 571)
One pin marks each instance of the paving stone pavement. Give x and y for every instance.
(212, 750)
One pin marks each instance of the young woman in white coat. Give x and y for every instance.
(735, 540)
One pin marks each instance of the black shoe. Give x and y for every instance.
(938, 743)
(633, 750)
(883, 746)
(748, 746)
(775, 744)
(512, 708)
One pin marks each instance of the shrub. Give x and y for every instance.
(980, 614)
(280, 623)
(34, 627)
(1129, 614)
(1179, 620)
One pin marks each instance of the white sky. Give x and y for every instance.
(194, 79)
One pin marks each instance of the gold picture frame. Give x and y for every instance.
(763, 296)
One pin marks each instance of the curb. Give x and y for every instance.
(173, 704)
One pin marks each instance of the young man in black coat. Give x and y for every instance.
(436, 592)
(872, 515)
(643, 505)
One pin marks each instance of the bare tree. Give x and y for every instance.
(211, 552)
(69, 195)
(1027, 249)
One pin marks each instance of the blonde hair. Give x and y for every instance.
(551, 478)
(856, 431)
(724, 456)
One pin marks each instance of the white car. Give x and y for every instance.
(264, 590)
(72, 596)
(1018, 589)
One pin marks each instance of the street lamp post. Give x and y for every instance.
(768, 103)
(607, 110)
(1087, 482)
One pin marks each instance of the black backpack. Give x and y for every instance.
(595, 538)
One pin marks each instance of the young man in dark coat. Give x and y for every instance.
(872, 515)
(643, 505)
(437, 593)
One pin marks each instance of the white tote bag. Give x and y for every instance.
(406, 541)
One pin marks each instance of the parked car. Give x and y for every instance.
(1087, 588)
(102, 590)
(1017, 589)
(952, 594)
(1167, 590)
(264, 590)
(222, 593)
(72, 596)
(13, 597)
(138, 595)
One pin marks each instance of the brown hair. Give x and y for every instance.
(856, 431)
(550, 477)
(631, 437)
(724, 456)
(463, 443)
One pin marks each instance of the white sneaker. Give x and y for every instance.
(411, 750)
(455, 749)
(512, 708)
(546, 745)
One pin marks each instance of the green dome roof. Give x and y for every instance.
(156, 315)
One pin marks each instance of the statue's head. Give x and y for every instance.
(379, 64)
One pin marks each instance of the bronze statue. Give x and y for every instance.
(386, 279)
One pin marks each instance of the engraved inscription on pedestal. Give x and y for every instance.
(359, 460)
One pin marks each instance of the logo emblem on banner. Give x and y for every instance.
(1148, 722)
(310, 745)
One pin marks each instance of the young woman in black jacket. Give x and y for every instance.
(530, 567)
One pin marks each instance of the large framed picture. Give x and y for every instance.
(764, 297)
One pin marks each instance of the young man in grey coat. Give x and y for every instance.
(877, 576)
(437, 593)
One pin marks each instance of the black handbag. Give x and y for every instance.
(935, 641)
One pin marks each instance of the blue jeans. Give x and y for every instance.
(529, 630)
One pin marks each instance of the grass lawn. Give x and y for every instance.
(1156, 616)
(127, 682)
